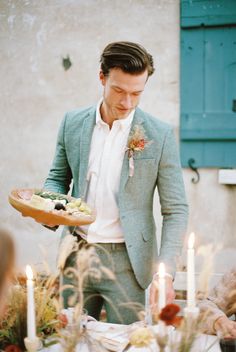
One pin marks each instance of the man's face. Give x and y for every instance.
(122, 92)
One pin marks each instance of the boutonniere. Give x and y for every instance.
(137, 142)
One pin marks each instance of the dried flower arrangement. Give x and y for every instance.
(53, 326)
(69, 330)
(172, 332)
(13, 324)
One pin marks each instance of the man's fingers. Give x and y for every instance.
(153, 293)
(170, 296)
(170, 292)
(51, 227)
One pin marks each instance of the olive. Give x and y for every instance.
(59, 206)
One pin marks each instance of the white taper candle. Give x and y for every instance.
(31, 325)
(191, 303)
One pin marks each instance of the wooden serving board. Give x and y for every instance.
(20, 200)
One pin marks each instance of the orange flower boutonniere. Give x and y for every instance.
(136, 143)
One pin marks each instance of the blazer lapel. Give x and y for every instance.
(85, 142)
(124, 177)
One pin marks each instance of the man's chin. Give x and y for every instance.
(122, 114)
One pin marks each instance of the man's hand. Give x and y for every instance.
(170, 293)
(51, 227)
(225, 328)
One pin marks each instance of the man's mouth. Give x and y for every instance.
(124, 110)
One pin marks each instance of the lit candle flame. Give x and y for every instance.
(191, 240)
(29, 272)
(162, 270)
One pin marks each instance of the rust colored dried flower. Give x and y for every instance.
(168, 314)
(137, 140)
(12, 348)
(20, 279)
(63, 321)
(136, 143)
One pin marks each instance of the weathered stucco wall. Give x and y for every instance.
(36, 91)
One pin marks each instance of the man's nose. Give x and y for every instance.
(126, 102)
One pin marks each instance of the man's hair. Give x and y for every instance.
(129, 57)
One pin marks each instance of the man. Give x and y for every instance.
(117, 155)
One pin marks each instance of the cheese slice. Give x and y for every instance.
(42, 203)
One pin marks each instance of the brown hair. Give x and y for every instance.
(129, 57)
(7, 258)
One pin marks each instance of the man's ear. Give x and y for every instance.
(102, 77)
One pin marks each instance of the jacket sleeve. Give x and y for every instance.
(60, 176)
(173, 202)
(220, 302)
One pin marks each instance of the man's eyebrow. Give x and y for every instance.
(135, 91)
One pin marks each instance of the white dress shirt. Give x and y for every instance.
(108, 147)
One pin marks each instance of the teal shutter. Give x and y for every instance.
(208, 83)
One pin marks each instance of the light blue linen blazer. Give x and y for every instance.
(157, 166)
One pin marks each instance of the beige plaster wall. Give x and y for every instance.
(36, 91)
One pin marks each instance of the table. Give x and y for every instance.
(117, 332)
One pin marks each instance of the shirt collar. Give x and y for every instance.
(124, 123)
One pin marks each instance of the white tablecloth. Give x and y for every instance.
(105, 332)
